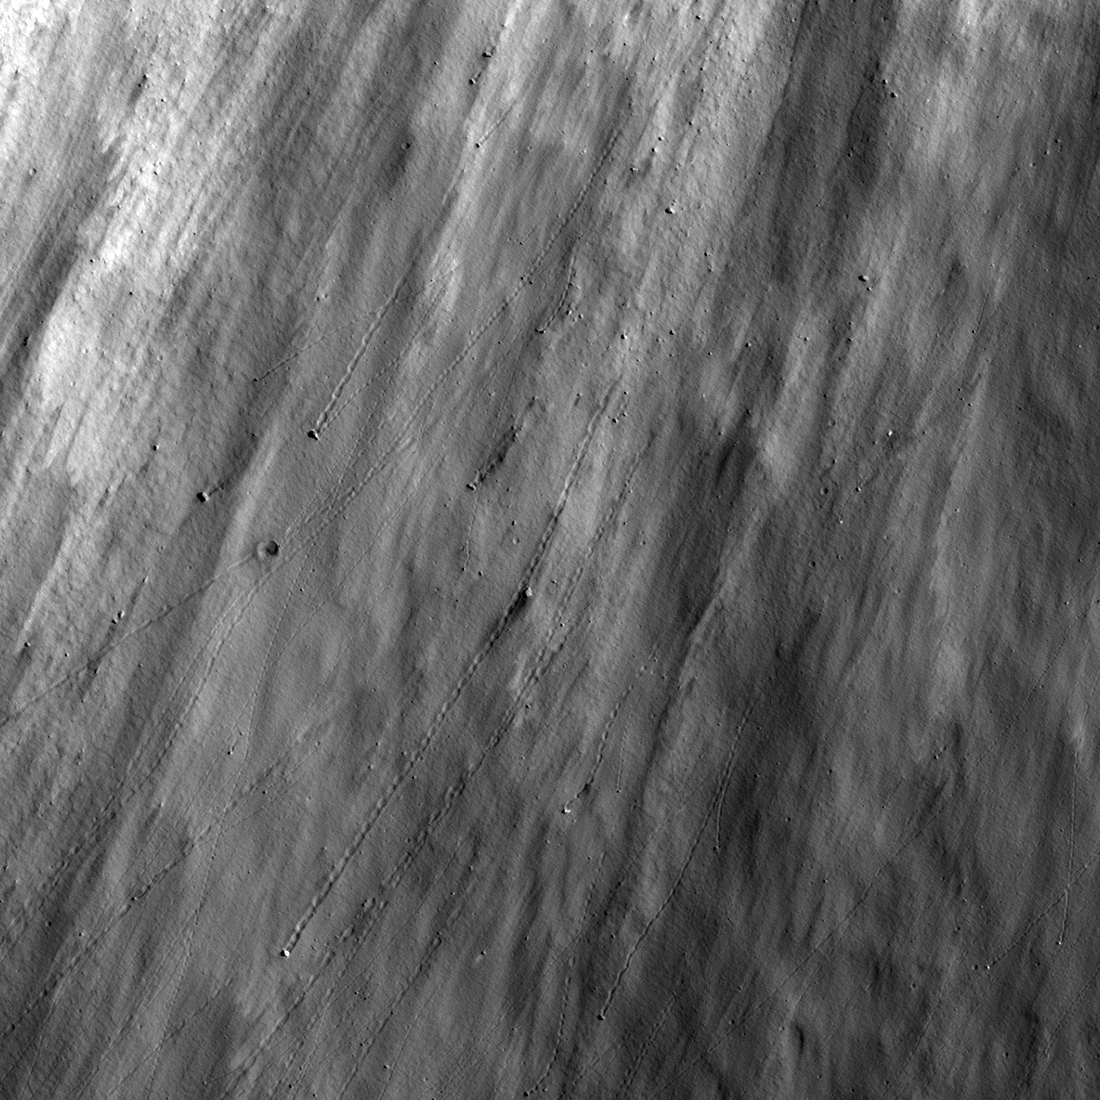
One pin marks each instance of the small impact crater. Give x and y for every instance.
(266, 549)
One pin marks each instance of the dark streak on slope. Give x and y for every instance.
(26, 561)
(691, 545)
(833, 77)
(693, 536)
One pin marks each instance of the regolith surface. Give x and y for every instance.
(549, 550)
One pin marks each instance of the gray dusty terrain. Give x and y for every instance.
(549, 549)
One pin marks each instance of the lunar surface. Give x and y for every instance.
(549, 549)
